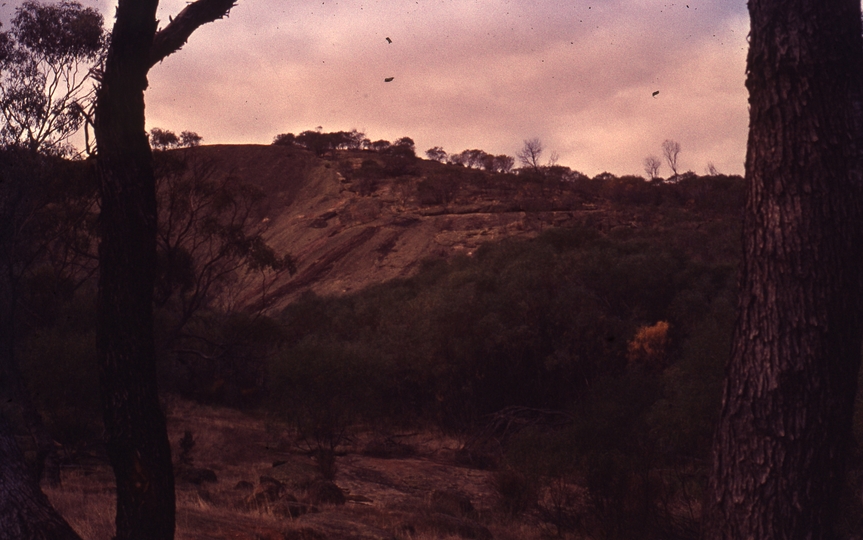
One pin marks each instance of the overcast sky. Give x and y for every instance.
(578, 74)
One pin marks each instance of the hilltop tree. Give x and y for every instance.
(165, 139)
(162, 139)
(379, 145)
(530, 153)
(651, 167)
(784, 432)
(503, 163)
(406, 142)
(137, 440)
(47, 62)
(436, 154)
(317, 142)
(671, 151)
(711, 169)
(404, 147)
(285, 139)
(189, 139)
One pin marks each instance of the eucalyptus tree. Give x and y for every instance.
(137, 438)
(49, 63)
(784, 433)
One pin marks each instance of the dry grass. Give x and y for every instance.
(87, 501)
(387, 498)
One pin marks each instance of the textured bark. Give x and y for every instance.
(784, 431)
(137, 437)
(138, 445)
(25, 513)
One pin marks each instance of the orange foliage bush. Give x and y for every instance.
(649, 347)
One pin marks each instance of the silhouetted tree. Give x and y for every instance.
(189, 139)
(38, 99)
(163, 139)
(210, 228)
(436, 154)
(285, 139)
(473, 158)
(351, 140)
(137, 440)
(317, 142)
(46, 73)
(784, 436)
(457, 159)
(503, 163)
(379, 145)
(651, 166)
(488, 162)
(407, 142)
(530, 153)
(671, 151)
(711, 169)
(403, 147)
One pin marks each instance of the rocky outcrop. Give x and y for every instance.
(347, 231)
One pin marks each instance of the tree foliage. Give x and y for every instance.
(321, 143)
(210, 235)
(47, 65)
(436, 154)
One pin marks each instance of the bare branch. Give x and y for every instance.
(171, 38)
(671, 151)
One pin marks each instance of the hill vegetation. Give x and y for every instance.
(571, 332)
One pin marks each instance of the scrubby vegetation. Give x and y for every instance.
(537, 352)
(580, 368)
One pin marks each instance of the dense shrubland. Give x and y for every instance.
(541, 336)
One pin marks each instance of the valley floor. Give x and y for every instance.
(267, 487)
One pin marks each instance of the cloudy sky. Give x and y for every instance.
(578, 74)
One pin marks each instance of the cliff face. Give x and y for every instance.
(358, 218)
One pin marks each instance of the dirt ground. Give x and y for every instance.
(247, 478)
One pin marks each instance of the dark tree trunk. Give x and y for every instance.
(138, 444)
(135, 424)
(25, 513)
(784, 431)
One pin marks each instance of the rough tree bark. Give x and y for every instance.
(784, 430)
(25, 513)
(138, 445)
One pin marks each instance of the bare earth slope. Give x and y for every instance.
(356, 218)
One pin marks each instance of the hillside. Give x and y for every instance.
(358, 218)
(500, 336)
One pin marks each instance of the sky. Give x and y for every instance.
(580, 75)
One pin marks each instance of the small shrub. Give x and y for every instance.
(187, 444)
(516, 492)
(649, 347)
